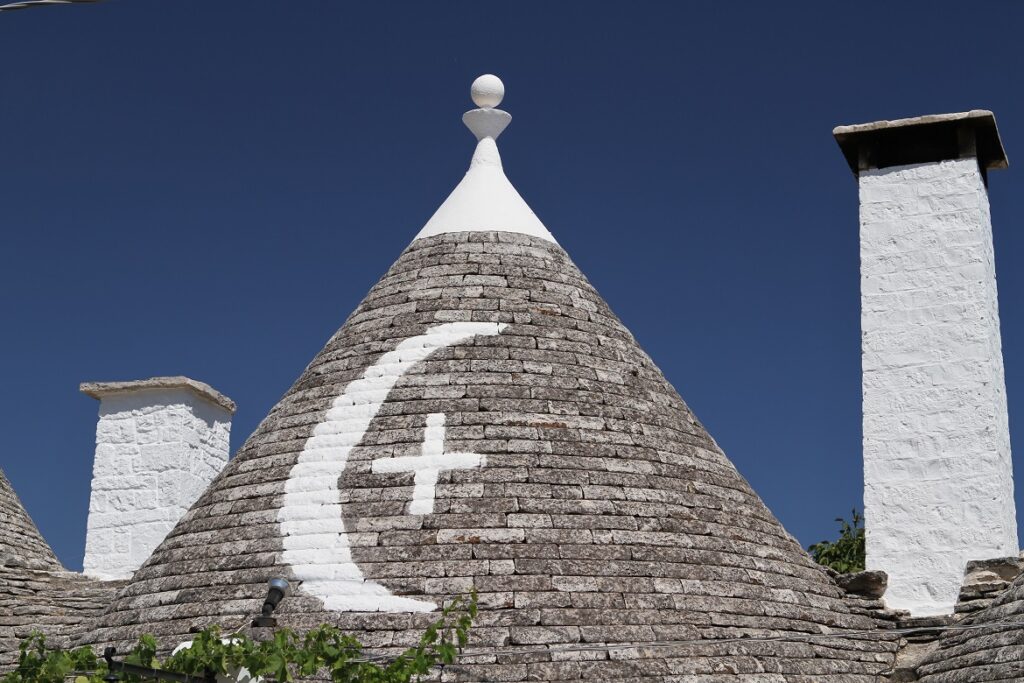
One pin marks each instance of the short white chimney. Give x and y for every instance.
(938, 481)
(159, 443)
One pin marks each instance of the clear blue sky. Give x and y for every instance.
(209, 188)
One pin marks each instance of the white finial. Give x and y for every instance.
(487, 91)
(485, 199)
(487, 122)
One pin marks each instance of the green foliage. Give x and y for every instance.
(285, 657)
(38, 663)
(846, 554)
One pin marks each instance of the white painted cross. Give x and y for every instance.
(314, 534)
(428, 465)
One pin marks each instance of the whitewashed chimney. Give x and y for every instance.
(159, 443)
(938, 481)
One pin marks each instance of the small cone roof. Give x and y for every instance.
(21, 544)
(484, 421)
(987, 646)
(36, 593)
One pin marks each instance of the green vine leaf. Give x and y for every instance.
(847, 553)
(285, 656)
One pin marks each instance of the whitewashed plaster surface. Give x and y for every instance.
(485, 198)
(428, 466)
(156, 452)
(315, 539)
(938, 487)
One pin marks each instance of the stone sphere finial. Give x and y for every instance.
(487, 91)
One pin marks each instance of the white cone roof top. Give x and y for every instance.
(485, 199)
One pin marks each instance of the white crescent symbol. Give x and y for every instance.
(315, 540)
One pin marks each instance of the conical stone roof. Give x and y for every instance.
(21, 544)
(987, 647)
(36, 593)
(483, 420)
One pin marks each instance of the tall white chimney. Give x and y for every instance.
(159, 443)
(938, 481)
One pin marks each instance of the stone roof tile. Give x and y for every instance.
(987, 646)
(57, 603)
(592, 506)
(21, 544)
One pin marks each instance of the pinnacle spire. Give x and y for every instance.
(485, 199)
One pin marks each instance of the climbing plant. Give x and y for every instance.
(846, 554)
(285, 657)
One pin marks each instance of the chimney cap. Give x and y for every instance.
(99, 390)
(923, 139)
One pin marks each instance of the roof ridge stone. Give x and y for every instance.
(98, 390)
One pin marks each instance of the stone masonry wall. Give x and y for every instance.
(938, 479)
(156, 451)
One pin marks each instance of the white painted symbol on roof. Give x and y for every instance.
(315, 540)
(428, 465)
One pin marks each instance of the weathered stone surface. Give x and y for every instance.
(36, 593)
(1005, 568)
(987, 646)
(21, 544)
(871, 583)
(100, 390)
(985, 581)
(604, 520)
(55, 602)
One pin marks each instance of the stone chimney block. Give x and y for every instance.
(159, 443)
(938, 481)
